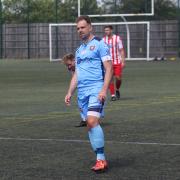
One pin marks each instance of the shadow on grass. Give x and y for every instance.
(121, 162)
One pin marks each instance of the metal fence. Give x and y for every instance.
(23, 41)
(18, 42)
(23, 35)
(164, 38)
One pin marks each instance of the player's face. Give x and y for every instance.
(108, 31)
(70, 64)
(84, 30)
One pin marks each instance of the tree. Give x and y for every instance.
(13, 9)
(67, 11)
(16, 11)
(39, 10)
(42, 11)
(89, 8)
(20, 11)
(132, 6)
(165, 9)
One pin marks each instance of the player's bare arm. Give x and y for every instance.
(122, 56)
(72, 87)
(107, 79)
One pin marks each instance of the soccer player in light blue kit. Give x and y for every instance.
(92, 76)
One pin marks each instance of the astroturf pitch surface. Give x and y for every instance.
(38, 139)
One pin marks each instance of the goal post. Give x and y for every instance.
(63, 38)
(109, 6)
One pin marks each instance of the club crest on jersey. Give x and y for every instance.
(92, 48)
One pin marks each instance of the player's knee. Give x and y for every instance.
(92, 122)
(118, 77)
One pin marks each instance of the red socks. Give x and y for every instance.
(111, 88)
(118, 84)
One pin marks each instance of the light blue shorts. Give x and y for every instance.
(89, 103)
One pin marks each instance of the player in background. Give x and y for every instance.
(92, 78)
(118, 58)
(69, 61)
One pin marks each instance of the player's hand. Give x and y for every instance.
(102, 96)
(67, 99)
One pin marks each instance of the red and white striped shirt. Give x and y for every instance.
(115, 44)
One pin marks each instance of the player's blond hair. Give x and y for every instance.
(67, 57)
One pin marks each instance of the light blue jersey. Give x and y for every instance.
(90, 75)
(89, 58)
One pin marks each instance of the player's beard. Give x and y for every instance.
(85, 37)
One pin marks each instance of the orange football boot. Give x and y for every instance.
(101, 165)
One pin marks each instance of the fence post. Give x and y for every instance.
(56, 19)
(1, 32)
(116, 18)
(178, 37)
(28, 29)
(178, 17)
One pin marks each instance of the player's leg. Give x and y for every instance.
(118, 79)
(118, 85)
(112, 89)
(95, 132)
(96, 136)
(83, 107)
(83, 122)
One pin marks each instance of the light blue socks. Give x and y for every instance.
(96, 137)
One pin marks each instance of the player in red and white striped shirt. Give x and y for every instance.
(118, 58)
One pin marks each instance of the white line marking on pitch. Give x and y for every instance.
(86, 141)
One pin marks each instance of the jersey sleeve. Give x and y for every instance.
(120, 44)
(104, 51)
